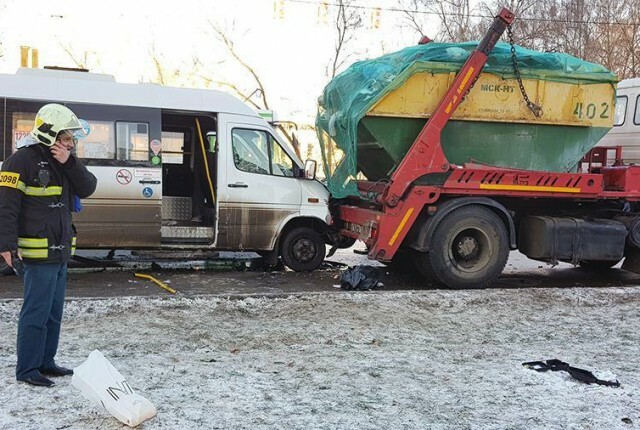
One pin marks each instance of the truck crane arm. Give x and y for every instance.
(426, 155)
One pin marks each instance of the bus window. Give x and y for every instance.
(636, 119)
(133, 141)
(212, 138)
(100, 143)
(621, 110)
(281, 163)
(22, 124)
(256, 151)
(250, 151)
(172, 147)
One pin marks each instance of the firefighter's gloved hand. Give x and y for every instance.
(7, 257)
(17, 264)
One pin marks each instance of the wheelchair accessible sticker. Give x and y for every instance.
(147, 192)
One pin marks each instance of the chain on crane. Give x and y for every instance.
(534, 108)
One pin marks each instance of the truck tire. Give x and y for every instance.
(303, 249)
(597, 265)
(470, 247)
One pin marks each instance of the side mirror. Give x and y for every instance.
(310, 167)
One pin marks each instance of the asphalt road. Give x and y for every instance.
(233, 278)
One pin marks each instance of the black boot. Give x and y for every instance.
(38, 380)
(56, 370)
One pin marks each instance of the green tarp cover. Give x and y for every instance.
(351, 94)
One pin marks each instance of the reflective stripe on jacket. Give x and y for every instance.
(36, 195)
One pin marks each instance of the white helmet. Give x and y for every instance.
(51, 119)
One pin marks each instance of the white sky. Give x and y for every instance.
(290, 54)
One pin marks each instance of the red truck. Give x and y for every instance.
(459, 233)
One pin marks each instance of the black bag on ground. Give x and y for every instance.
(360, 278)
(576, 373)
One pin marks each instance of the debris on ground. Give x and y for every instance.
(579, 374)
(361, 278)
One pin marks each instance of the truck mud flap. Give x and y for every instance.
(632, 260)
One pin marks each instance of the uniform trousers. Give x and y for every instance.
(40, 317)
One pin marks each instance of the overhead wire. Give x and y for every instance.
(453, 14)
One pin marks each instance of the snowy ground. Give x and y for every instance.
(382, 360)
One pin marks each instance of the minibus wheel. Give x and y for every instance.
(303, 249)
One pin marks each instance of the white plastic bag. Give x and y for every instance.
(104, 386)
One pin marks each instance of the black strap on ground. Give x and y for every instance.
(579, 374)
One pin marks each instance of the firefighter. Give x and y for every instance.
(39, 186)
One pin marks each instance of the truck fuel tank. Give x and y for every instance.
(571, 240)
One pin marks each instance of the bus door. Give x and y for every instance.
(259, 191)
(189, 174)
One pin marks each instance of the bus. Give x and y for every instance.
(625, 133)
(177, 168)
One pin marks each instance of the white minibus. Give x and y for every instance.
(177, 168)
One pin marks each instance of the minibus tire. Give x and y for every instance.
(303, 249)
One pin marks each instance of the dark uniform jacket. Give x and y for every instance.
(36, 200)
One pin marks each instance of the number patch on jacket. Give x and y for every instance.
(9, 179)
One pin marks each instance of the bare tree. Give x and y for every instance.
(348, 21)
(260, 90)
(413, 12)
(607, 45)
(630, 40)
(164, 75)
(526, 32)
(457, 21)
(80, 60)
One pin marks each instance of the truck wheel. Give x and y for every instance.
(597, 265)
(303, 249)
(469, 249)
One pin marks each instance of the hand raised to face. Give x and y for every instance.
(61, 150)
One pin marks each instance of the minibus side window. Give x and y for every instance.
(212, 138)
(21, 126)
(636, 119)
(621, 110)
(256, 151)
(250, 151)
(100, 143)
(173, 147)
(281, 163)
(133, 141)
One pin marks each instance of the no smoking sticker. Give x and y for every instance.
(124, 176)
